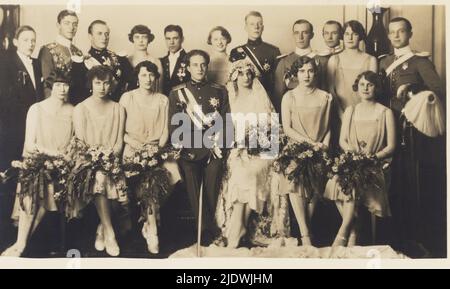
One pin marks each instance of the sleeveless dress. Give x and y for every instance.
(99, 130)
(53, 133)
(345, 78)
(367, 136)
(145, 120)
(145, 124)
(311, 122)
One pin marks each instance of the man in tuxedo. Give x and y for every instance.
(261, 54)
(418, 191)
(201, 165)
(99, 54)
(21, 86)
(21, 82)
(61, 53)
(174, 65)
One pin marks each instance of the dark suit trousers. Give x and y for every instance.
(211, 174)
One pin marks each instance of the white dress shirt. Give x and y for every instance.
(173, 58)
(28, 63)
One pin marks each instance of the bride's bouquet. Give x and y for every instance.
(355, 170)
(92, 161)
(304, 163)
(152, 178)
(260, 139)
(39, 170)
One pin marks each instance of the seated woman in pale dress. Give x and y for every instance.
(99, 121)
(49, 131)
(141, 36)
(344, 67)
(147, 124)
(246, 188)
(367, 127)
(305, 112)
(219, 67)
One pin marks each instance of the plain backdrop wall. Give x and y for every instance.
(197, 20)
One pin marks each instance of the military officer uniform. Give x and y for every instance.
(58, 55)
(179, 75)
(200, 165)
(417, 190)
(284, 81)
(264, 57)
(123, 73)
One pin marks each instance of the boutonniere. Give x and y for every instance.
(214, 102)
(405, 66)
(22, 77)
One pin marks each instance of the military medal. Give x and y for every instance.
(405, 66)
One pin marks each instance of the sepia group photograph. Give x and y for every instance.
(178, 134)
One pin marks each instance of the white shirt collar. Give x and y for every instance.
(175, 55)
(402, 51)
(25, 59)
(303, 52)
(63, 41)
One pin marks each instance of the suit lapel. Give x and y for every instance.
(178, 64)
(21, 67)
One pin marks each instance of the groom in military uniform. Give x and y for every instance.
(199, 102)
(418, 170)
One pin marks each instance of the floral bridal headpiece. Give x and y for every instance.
(242, 66)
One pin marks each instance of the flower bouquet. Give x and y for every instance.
(36, 172)
(304, 163)
(261, 139)
(356, 170)
(90, 162)
(152, 178)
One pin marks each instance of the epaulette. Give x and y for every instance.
(51, 45)
(422, 53)
(178, 87)
(324, 53)
(282, 56)
(218, 86)
(383, 56)
(122, 53)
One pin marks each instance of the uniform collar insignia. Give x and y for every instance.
(255, 42)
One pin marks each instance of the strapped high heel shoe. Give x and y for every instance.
(112, 248)
(339, 241)
(352, 240)
(100, 239)
(306, 240)
(152, 239)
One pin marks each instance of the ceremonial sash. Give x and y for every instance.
(398, 62)
(193, 109)
(253, 59)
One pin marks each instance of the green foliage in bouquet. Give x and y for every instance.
(304, 164)
(152, 178)
(38, 170)
(356, 170)
(90, 160)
